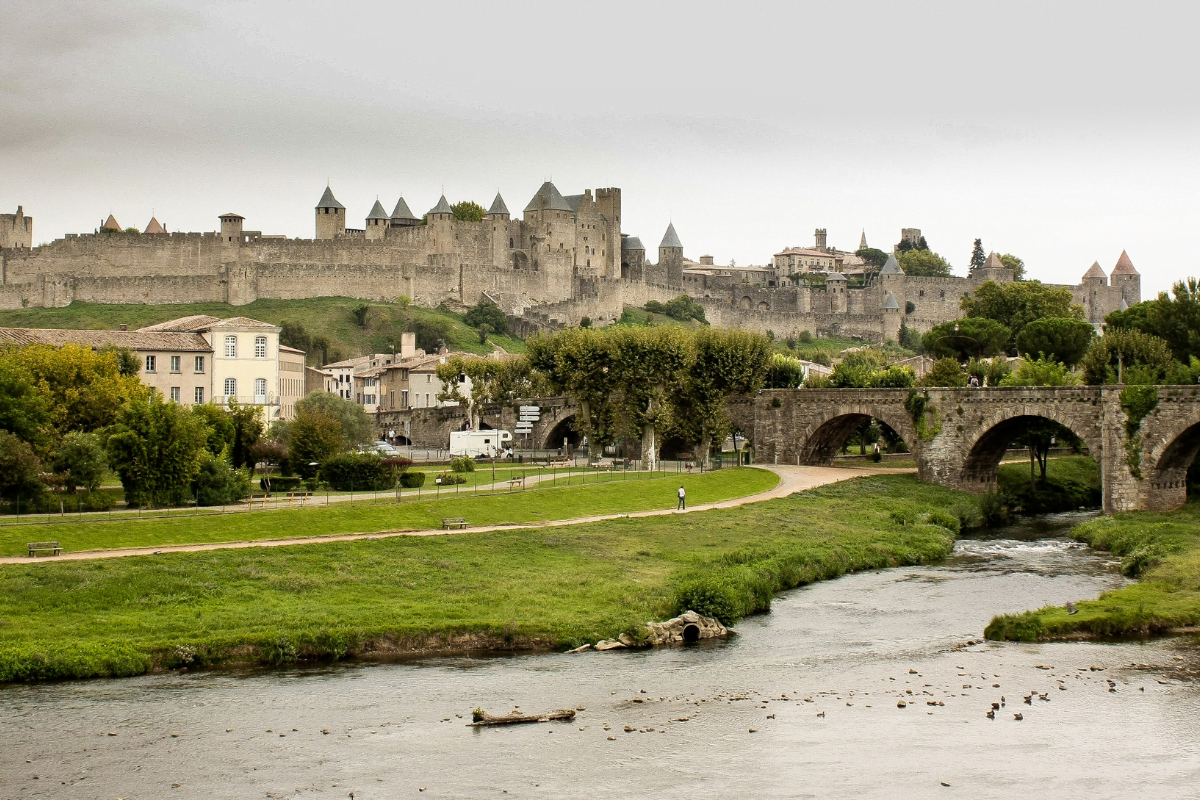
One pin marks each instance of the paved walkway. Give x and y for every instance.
(791, 480)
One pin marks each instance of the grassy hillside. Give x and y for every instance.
(332, 317)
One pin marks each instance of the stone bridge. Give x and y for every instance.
(963, 433)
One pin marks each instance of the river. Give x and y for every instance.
(819, 680)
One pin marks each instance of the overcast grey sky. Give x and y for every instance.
(1061, 132)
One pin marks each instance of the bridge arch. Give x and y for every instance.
(997, 431)
(563, 429)
(1165, 465)
(828, 432)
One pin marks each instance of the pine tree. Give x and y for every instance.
(978, 257)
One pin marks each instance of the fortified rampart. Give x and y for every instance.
(565, 260)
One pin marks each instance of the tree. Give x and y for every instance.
(650, 365)
(1015, 305)
(485, 313)
(1173, 318)
(728, 362)
(218, 428)
(313, 437)
(217, 483)
(23, 409)
(360, 314)
(924, 263)
(978, 257)
(945, 372)
(155, 448)
(1064, 338)
(867, 369)
(1015, 264)
(247, 431)
(432, 333)
(872, 257)
(356, 425)
(965, 338)
(988, 373)
(908, 245)
(493, 381)
(80, 461)
(468, 211)
(581, 363)
(1131, 357)
(83, 389)
(1040, 433)
(784, 372)
(20, 470)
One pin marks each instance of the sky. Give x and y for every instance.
(1061, 132)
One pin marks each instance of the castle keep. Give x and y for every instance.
(565, 259)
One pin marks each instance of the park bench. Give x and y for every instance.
(453, 522)
(38, 547)
(301, 496)
(262, 501)
(516, 481)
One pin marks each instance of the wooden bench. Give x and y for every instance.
(301, 496)
(37, 547)
(514, 482)
(262, 501)
(453, 522)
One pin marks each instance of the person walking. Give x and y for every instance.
(682, 500)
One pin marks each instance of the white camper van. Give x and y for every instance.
(486, 444)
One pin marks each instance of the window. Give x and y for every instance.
(150, 362)
(199, 363)
(231, 387)
(231, 347)
(404, 398)
(199, 394)
(174, 394)
(260, 347)
(260, 389)
(174, 363)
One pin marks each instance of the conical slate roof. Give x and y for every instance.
(1124, 265)
(632, 243)
(891, 267)
(111, 224)
(993, 262)
(328, 200)
(402, 213)
(890, 303)
(1094, 271)
(442, 207)
(862, 242)
(1124, 305)
(377, 211)
(498, 206)
(551, 199)
(154, 227)
(835, 276)
(671, 238)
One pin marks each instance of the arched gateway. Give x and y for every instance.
(960, 435)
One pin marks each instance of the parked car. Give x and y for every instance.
(381, 448)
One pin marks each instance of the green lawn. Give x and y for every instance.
(533, 505)
(1161, 550)
(327, 316)
(533, 588)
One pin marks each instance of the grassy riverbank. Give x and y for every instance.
(521, 589)
(410, 513)
(1161, 550)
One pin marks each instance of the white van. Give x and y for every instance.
(486, 444)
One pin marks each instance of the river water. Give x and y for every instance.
(818, 679)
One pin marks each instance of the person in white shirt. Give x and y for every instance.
(682, 500)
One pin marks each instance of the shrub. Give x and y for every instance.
(19, 469)
(217, 483)
(943, 519)
(98, 501)
(450, 479)
(968, 514)
(711, 596)
(356, 472)
(904, 517)
(80, 460)
(462, 464)
(280, 483)
(993, 508)
(412, 480)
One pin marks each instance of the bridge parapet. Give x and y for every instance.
(958, 436)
